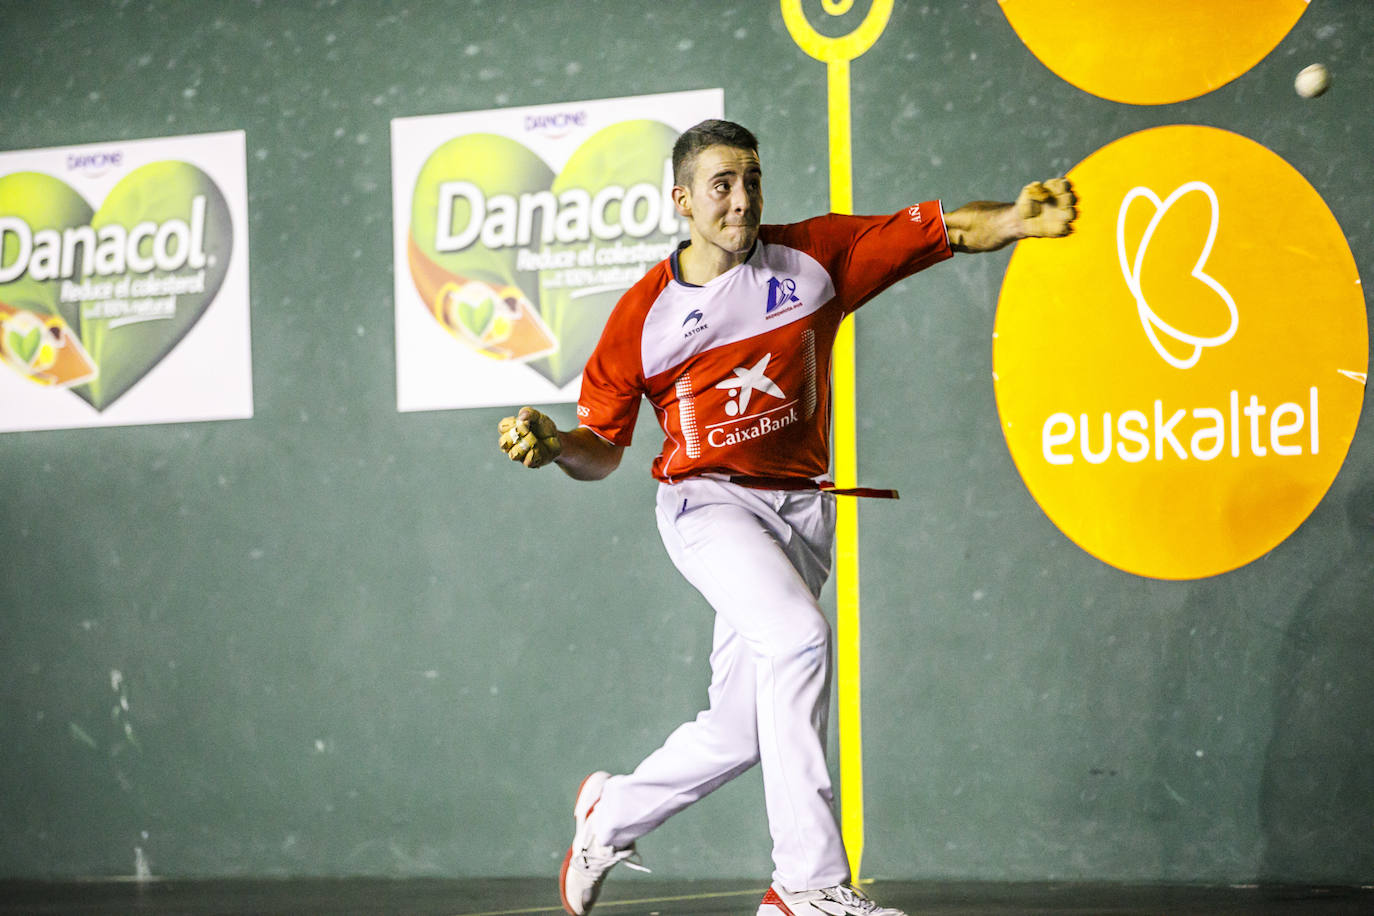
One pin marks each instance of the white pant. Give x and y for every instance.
(760, 558)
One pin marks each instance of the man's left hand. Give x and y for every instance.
(1046, 208)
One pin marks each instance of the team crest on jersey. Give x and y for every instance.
(782, 296)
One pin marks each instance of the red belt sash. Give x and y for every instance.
(806, 483)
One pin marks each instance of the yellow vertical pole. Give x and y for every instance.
(845, 402)
(836, 53)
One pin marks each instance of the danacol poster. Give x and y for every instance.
(517, 230)
(124, 283)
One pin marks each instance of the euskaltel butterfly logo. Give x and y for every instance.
(91, 300)
(525, 265)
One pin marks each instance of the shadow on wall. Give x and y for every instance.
(1316, 802)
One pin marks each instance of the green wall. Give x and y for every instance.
(318, 641)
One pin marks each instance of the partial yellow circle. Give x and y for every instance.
(1179, 381)
(835, 50)
(1151, 52)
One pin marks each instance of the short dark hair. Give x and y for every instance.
(711, 132)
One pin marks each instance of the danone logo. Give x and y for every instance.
(92, 300)
(523, 264)
(1180, 380)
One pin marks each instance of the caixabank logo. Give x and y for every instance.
(1179, 382)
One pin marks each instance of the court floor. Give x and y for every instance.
(513, 897)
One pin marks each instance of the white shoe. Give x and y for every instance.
(840, 900)
(587, 861)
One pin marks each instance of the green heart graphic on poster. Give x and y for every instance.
(42, 202)
(525, 265)
(119, 286)
(632, 154)
(477, 318)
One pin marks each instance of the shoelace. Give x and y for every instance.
(852, 898)
(598, 860)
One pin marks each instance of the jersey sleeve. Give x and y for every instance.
(613, 379)
(867, 254)
(608, 404)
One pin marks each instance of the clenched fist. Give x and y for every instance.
(530, 438)
(1046, 208)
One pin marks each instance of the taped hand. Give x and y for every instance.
(530, 438)
(1046, 208)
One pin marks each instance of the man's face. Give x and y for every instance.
(724, 205)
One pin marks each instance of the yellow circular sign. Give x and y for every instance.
(1151, 52)
(1179, 381)
(836, 50)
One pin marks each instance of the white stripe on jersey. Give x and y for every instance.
(686, 320)
(687, 415)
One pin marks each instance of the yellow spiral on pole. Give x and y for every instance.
(845, 47)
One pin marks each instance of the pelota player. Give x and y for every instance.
(730, 341)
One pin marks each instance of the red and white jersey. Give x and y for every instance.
(739, 369)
